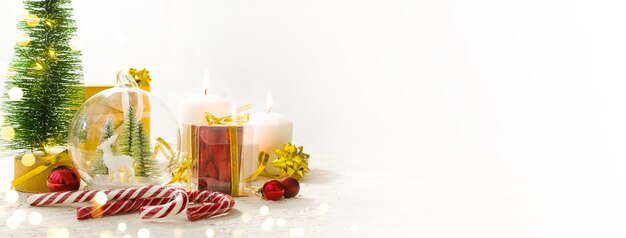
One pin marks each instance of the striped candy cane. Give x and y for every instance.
(117, 207)
(112, 195)
(220, 203)
(173, 207)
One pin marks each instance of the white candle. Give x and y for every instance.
(194, 107)
(271, 131)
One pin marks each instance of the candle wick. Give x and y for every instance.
(205, 91)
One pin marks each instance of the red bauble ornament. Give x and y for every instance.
(292, 186)
(273, 190)
(63, 178)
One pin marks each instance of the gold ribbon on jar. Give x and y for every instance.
(50, 161)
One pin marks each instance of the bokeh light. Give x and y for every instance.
(28, 160)
(35, 218)
(264, 210)
(209, 232)
(101, 198)
(7, 133)
(143, 233)
(121, 227)
(15, 94)
(11, 196)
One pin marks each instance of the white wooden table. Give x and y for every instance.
(453, 195)
(329, 204)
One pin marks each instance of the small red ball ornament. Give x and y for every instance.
(63, 178)
(273, 190)
(292, 186)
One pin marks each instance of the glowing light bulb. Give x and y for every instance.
(52, 54)
(15, 94)
(28, 160)
(23, 39)
(38, 66)
(32, 20)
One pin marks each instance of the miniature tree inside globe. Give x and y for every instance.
(115, 138)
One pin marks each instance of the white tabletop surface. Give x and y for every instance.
(391, 196)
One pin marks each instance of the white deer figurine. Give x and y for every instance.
(115, 162)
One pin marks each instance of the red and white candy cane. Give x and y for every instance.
(220, 203)
(112, 195)
(117, 207)
(175, 206)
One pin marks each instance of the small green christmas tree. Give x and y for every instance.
(44, 85)
(145, 165)
(98, 165)
(126, 140)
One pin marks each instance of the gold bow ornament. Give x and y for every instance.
(291, 160)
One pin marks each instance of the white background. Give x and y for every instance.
(524, 97)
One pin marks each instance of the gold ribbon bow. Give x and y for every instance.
(142, 76)
(291, 161)
(50, 161)
(228, 119)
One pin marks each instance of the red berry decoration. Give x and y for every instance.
(292, 186)
(63, 178)
(273, 190)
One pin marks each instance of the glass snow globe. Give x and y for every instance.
(124, 137)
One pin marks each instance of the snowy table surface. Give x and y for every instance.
(346, 195)
(329, 204)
